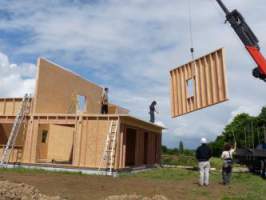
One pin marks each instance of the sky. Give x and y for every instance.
(130, 47)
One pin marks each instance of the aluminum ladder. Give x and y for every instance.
(24, 110)
(109, 151)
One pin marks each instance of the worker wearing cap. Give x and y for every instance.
(203, 155)
(152, 111)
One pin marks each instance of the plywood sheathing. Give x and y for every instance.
(60, 143)
(56, 88)
(10, 106)
(42, 148)
(15, 155)
(210, 84)
(5, 130)
(89, 137)
(114, 109)
(89, 142)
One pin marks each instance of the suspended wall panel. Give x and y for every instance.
(199, 84)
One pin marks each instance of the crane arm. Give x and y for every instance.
(248, 38)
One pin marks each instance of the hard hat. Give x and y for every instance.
(203, 141)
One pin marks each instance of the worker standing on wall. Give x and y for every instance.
(203, 155)
(104, 101)
(152, 112)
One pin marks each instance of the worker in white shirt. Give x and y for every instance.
(227, 157)
(104, 101)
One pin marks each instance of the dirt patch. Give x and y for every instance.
(135, 197)
(14, 191)
(82, 187)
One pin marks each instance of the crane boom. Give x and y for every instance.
(248, 38)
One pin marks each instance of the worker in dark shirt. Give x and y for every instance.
(152, 112)
(203, 155)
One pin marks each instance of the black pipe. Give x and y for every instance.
(225, 9)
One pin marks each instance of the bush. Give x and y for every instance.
(182, 160)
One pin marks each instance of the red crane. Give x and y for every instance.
(248, 38)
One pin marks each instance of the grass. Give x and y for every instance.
(179, 160)
(185, 160)
(244, 186)
(165, 174)
(22, 170)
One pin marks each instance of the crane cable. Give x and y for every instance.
(190, 26)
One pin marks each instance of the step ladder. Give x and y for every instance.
(108, 157)
(24, 110)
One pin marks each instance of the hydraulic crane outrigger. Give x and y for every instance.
(248, 38)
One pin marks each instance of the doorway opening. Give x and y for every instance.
(146, 148)
(130, 146)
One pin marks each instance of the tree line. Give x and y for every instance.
(181, 150)
(248, 131)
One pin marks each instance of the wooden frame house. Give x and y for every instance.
(64, 126)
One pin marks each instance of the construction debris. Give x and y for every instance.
(136, 197)
(21, 191)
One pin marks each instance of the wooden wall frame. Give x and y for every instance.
(208, 75)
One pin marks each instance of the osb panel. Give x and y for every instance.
(5, 130)
(2, 107)
(90, 131)
(90, 142)
(115, 109)
(10, 106)
(103, 130)
(57, 90)
(30, 151)
(60, 143)
(141, 124)
(15, 155)
(209, 84)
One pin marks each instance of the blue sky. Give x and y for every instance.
(130, 46)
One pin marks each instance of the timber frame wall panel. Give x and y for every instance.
(199, 84)
(57, 90)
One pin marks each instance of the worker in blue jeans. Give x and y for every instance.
(152, 111)
(203, 155)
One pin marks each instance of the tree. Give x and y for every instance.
(181, 147)
(248, 131)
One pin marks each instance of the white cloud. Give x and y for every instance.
(131, 45)
(16, 80)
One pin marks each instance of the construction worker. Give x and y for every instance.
(203, 155)
(152, 112)
(227, 157)
(104, 101)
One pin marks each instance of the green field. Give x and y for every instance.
(244, 186)
(184, 160)
(173, 183)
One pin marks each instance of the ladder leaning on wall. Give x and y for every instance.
(24, 110)
(108, 157)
